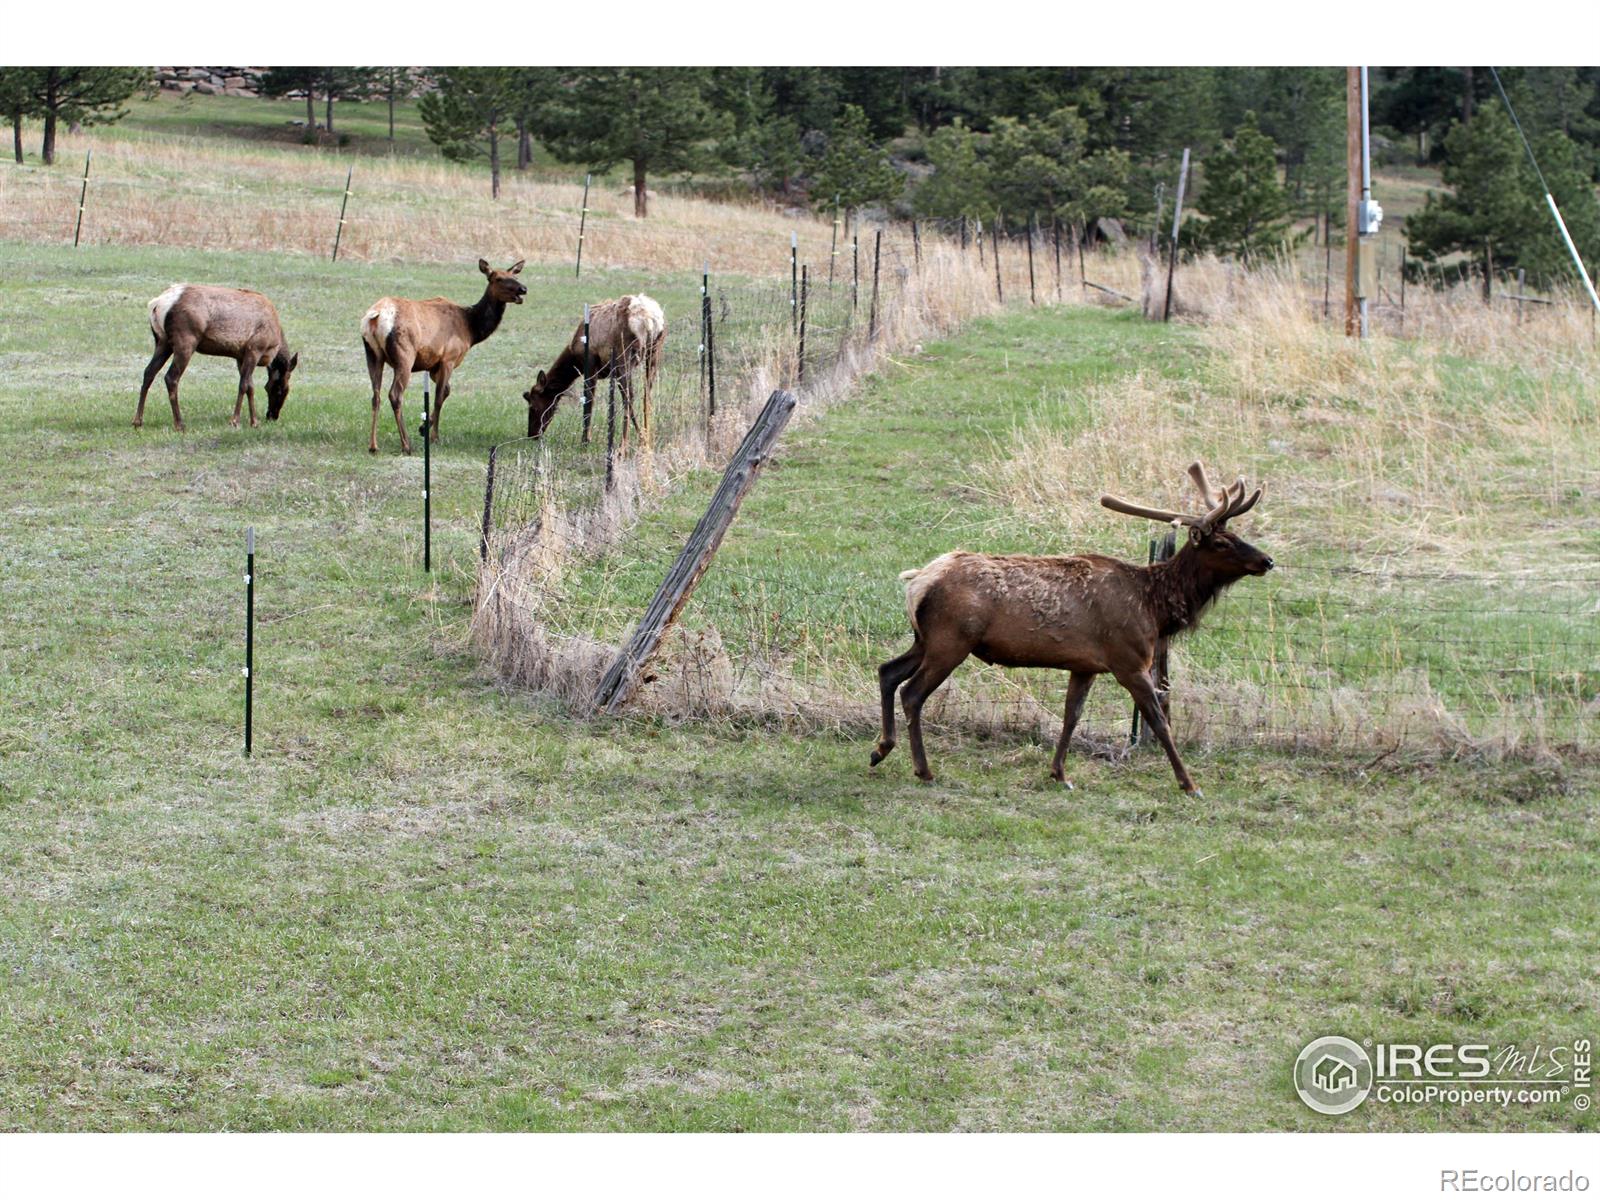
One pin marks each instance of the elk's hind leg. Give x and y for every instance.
(935, 667)
(890, 676)
(180, 362)
(374, 373)
(397, 392)
(157, 361)
(1077, 693)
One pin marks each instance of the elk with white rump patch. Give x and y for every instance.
(1086, 614)
(433, 336)
(189, 319)
(624, 335)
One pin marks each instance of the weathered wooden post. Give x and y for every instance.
(916, 244)
(1172, 243)
(743, 468)
(1032, 297)
(1055, 233)
(994, 233)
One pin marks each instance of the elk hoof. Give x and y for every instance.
(1195, 792)
(180, 426)
(879, 754)
(925, 776)
(138, 424)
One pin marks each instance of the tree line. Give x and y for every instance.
(1062, 144)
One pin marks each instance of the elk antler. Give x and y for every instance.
(1197, 472)
(1226, 503)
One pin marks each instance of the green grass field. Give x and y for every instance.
(428, 903)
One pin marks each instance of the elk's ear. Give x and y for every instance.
(1197, 534)
(539, 381)
(483, 265)
(294, 360)
(516, 267)
(528, 395)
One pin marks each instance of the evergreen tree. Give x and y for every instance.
(16, 100)
(1496, 211)
(344, 83)
(467, 112)
(278, 82)
(654, 118)
(961, 185)
(1246, 208)
(81, 95)
(854, 167)
(1046, 167)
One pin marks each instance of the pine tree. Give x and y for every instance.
(1246, 208)
(81, 95)
(16, 101)
(854, 167)
(961, 185)
(278, 82)
(467, 112)
(1496, 211)
(653, 118)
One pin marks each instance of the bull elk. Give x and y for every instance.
(1086, 614)
(432, 336)
(189, 319)
(624, 334)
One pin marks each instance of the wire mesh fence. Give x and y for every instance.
(1315, 655)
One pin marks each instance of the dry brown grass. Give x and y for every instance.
(1464, 445)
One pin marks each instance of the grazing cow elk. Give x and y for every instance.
(624, 334)
(433, 336)
(190, 318)
(1085, 613)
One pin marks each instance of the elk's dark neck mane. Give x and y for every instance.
(562, 373)
(1181, 589)
(483, 318)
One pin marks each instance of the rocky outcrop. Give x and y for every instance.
(211, 81)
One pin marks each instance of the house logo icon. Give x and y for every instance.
(1333, 1075)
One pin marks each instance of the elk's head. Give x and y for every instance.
(542, 398)
(278, 371)
(502, 286)
(1219, 550)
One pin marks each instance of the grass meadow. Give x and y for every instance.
(430, 901)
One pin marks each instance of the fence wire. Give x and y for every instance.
(1311, 656)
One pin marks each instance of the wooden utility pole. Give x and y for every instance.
(1352, 141)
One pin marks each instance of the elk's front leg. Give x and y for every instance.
(1144, 695)
(247, 370)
